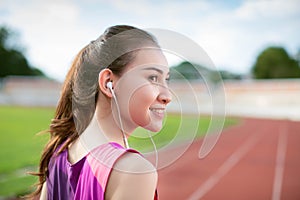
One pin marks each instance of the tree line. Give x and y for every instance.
(12, 59)
(272, 62)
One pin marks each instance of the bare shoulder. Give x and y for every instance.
(135, 163)
(133, 177)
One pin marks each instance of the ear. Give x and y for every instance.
(105, 76)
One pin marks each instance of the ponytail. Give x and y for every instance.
(62, 128)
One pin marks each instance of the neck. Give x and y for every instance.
(110, 129)
(102, 129)
(109, 122)
(98, 132)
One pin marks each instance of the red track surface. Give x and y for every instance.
(259, 159)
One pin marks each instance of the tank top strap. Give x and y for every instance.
(103, 159)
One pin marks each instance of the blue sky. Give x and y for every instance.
(232, 33)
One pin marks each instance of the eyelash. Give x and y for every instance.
(168, 80)
(154, 78)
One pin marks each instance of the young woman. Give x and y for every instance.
(116, 84)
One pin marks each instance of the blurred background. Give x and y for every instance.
(254, 45)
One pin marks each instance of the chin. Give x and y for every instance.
(153, 128)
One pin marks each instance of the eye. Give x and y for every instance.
(168, 80)
(153, 78)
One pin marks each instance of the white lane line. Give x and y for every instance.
(280, 160)
(225, 168)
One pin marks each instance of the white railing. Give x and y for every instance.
(251, 98)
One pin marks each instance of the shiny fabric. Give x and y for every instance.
(87, 178)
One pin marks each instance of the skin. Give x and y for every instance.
(142, 95)
(144, 99)
(143, 91)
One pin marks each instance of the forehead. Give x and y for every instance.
(148, 57)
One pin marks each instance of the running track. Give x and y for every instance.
(258, 159)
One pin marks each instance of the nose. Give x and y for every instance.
(165, 95)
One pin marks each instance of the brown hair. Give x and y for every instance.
(114, 49)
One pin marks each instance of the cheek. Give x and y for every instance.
(139, 105)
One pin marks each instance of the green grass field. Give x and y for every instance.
(21, 147)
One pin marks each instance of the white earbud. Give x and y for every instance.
(109, 85)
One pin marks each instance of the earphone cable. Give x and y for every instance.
(155, 149)
(123, 133)
(119, 116)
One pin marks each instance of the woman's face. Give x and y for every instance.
(142, 91)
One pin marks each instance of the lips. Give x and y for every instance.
(158, 111)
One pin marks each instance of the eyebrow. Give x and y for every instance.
(155, 69)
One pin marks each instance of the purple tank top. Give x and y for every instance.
(87, 178)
